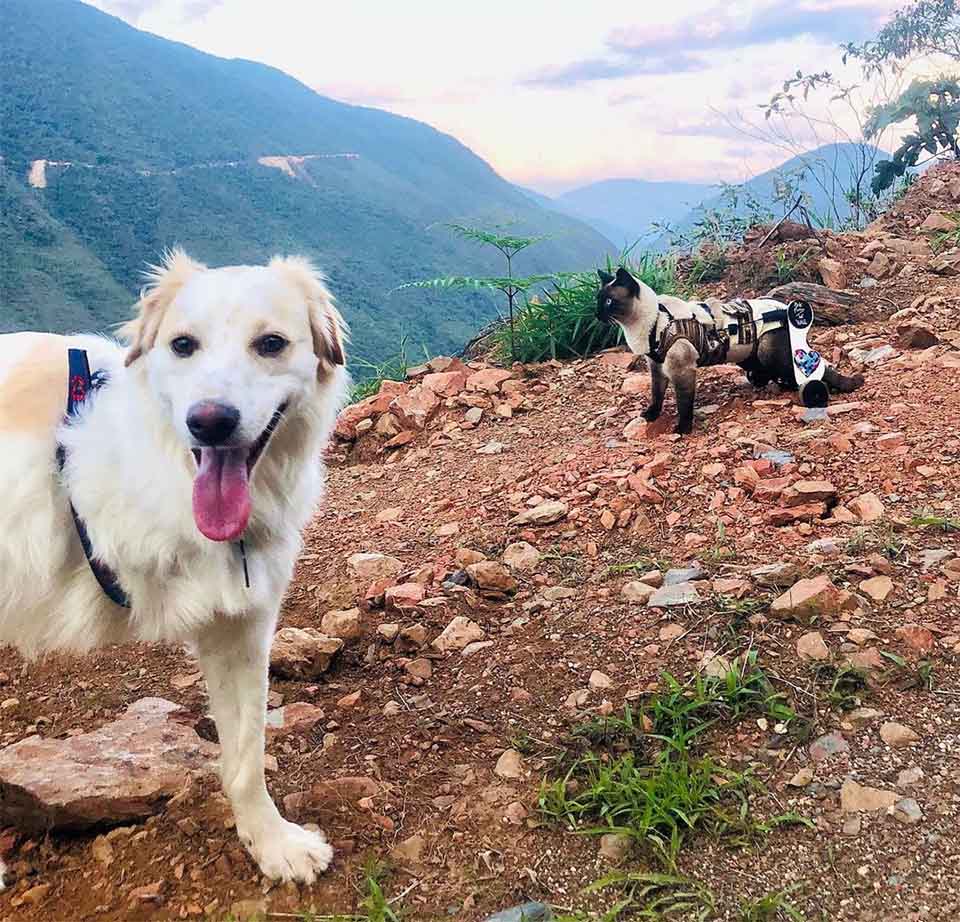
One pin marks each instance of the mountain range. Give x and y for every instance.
(116, 144)
(627, 210)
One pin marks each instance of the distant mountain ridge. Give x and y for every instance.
(625, 210)
(117, 143)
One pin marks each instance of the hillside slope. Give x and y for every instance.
(158, 143)
(427, 756)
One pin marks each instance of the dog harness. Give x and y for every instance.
(79, 385)
(711, 338)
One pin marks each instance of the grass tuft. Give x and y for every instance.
(561, 322)
(661, 801)
(370, 375)
(936, 522)
(773, 907)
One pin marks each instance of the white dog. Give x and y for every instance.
(208, 431)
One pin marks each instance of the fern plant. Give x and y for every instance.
(511, 286)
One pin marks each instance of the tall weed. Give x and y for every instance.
(561, 322)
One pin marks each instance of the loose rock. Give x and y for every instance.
(897, 736)
(302, 653)
(522, 556)
(457, 634)
(124, 771)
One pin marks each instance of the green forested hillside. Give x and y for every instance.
(162, 143)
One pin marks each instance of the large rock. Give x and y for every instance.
(858, 798)
(810, 598)
(458, 634)
(446, 383)
(492, 577)
(370, 567)
(302, 653)
(126, 770)
(937, 222)
(545, 514)
(831, 272)
(489, 380)
(343, 624)
(881, 266)
(672, 596)
(301, 717)
(522, 556)
(897, 736)
(416, 408)
(916, 335)
(809, 491)
(868, 508)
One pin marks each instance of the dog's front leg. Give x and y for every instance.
(234, 657)
(658, 390)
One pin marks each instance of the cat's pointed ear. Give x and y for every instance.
(605, 277)
(625, 279)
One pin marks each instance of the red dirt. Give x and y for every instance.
(432, 756)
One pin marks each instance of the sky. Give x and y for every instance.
(553, 93)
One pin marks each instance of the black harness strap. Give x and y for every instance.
(711, 344)
(79, 385)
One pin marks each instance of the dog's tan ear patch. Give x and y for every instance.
(327, 326)
(163, 283)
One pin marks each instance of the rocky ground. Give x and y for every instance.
(507, 555)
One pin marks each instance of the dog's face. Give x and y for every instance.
(227, 352)
(616, 296)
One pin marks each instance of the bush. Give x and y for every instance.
(561, 323)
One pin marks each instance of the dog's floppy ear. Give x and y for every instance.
(163, 283)
(327, 326)
(605, 277)
(625, 279)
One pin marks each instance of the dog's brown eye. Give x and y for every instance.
(271, 344)
(184, 346)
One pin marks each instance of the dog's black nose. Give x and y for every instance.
(211, 422)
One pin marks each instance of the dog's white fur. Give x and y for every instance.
(130, 474)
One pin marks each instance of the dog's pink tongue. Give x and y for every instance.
(221, 497)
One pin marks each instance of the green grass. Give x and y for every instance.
(903, 675)
(641, 565)
(370, 375)
(935, 522)
(561, 322)
(773, 907)
(679, 710)
(787, 269)
(658, 804)
(947, 239)
(639, 895)
(709, 265)
(845, 685)
(661, 800)
(606, 732)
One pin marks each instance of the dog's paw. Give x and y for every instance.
(286, 851)
(650, 414)
(684, 429)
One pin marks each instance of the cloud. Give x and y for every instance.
(721, 29)
(615, 67)
(686, 46)
(132, 10)
(712, 127)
